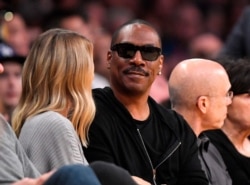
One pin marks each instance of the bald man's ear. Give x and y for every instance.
(202, 104)
(109, 56)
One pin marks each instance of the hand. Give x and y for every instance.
(140, 181)
(38, 181)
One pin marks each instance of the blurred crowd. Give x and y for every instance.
(47, 91)
(188, 28)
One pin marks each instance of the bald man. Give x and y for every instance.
(199, 90)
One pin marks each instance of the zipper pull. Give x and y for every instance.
(154, 176)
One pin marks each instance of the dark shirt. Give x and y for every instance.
(212, 162)
(164, 151)
(238, 165)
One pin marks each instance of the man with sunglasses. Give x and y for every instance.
(130, 129)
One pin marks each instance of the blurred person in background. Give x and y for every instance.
(159, 90)
(76, 21)
(96, 12)
(116, 16)
(10, 80)
(215, 21)
(14, 32)
(132, 5)
(237, 44)
(101, 47)
(66, 5)
(205, 45)
(187, 23)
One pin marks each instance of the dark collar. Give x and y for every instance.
(203, 141)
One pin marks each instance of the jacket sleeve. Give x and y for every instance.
(14, 162)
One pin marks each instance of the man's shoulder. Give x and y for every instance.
(47, 118)
(106, 91)
(48, 123)
(171, 118)
(166, 113)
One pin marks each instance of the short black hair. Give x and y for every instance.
(238, 71)
(130, 22)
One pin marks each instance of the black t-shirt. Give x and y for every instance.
(156, 146)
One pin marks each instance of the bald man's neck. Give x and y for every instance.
(192, 119)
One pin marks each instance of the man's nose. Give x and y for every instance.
(138, 58)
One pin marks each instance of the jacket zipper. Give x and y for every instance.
(150, 162)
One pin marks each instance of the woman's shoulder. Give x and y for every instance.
(49, 122)
(48, 117)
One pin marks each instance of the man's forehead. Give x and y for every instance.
(134, 28)
(139, 34)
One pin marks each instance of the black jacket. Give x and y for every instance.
(114, 137)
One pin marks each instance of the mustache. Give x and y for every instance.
(136, 69)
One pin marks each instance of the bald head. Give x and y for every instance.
(193, 78)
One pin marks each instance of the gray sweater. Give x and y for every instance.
(50, 141)
(14, 163)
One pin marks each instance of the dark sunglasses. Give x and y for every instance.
(127, 50)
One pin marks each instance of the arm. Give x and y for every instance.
(140, 181)
(14, 162)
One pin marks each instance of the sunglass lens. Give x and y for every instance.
(149, 53)
(126, 50)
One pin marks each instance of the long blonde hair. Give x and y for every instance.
(57, 76)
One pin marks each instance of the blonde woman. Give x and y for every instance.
(56, 108)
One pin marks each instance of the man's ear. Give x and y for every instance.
(161, 60)
(109, 56)
(160, 69)
(203, 103)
